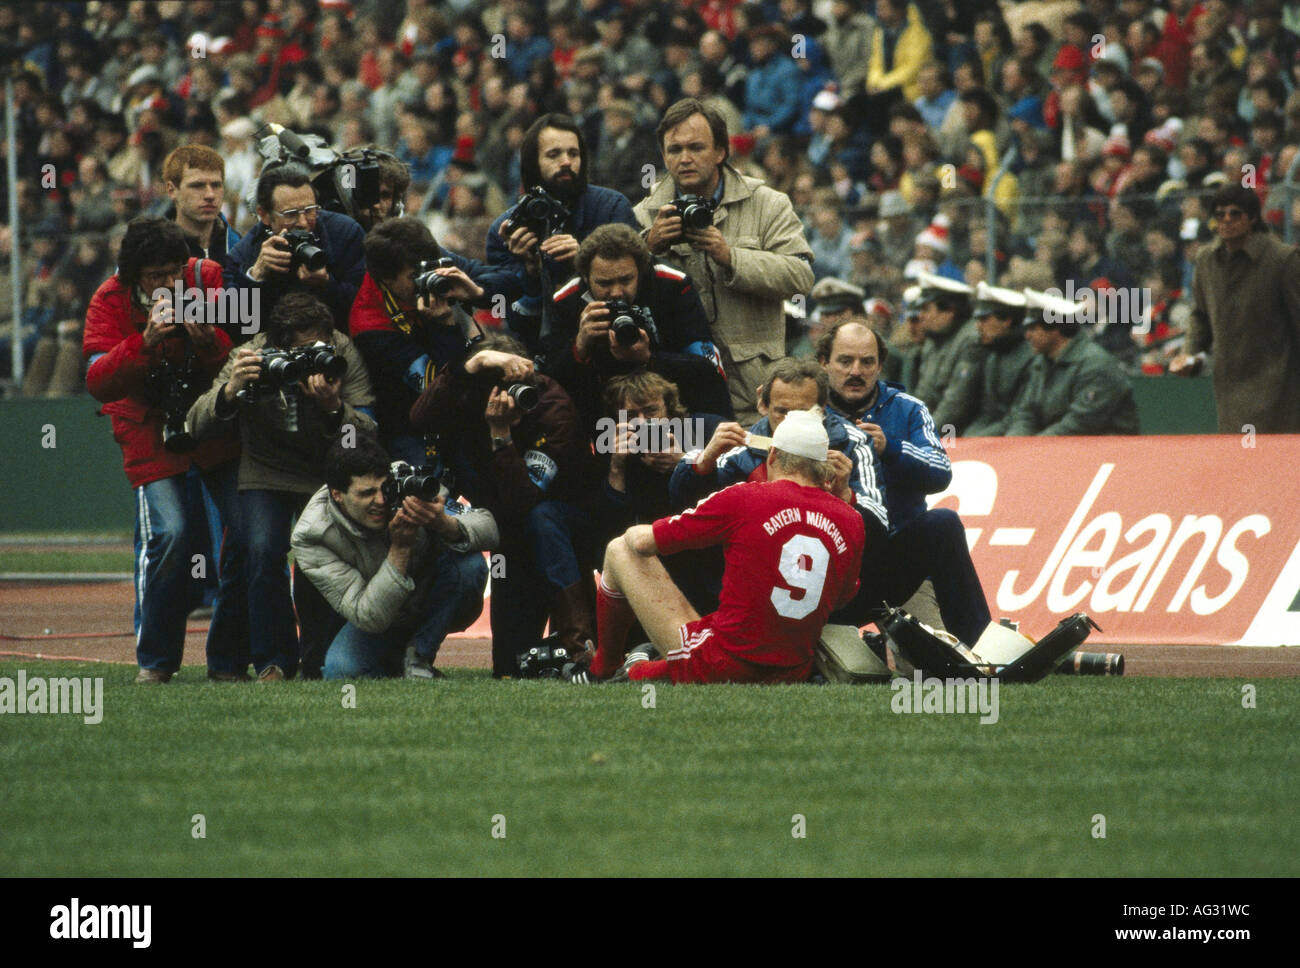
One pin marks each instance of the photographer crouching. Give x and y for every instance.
(514, 444)
(400, 570)
(293, 391)
(146, 365)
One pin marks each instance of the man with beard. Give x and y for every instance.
(553, 157)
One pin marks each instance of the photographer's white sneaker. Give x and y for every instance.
(417, 667)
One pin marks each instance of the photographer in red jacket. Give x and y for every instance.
(146, 364)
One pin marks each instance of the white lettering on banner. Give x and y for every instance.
(1081, 571)
(1012, 601)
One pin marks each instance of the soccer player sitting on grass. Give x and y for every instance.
(792, 552)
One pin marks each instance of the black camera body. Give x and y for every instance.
(175, 388)
(305, 250)
(406, 481)
(626, 320)
(281, 368)
(540, 212)
(696, 211)
(544, 661)
(428, 283)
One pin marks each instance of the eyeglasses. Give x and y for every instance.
(1229, 213)
(292, 213)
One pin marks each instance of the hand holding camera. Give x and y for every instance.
(503, 411)
(247, 368)
(665, 230)
(440, 279)
(327, 394)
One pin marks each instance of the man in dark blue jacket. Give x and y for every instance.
(263, 259)
(553, 156)
(922, 543)
(583, 352)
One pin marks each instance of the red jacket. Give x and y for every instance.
(115, 329)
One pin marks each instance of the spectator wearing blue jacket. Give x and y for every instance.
(262, 261)
(922, 543)
(816, 76)
(524, 45)
(553, 156)
(773, 85)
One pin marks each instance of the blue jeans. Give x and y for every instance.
(169, 521)
(263, 520)
(451, 604)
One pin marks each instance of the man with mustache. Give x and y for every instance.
(553, 156)
(923, 544)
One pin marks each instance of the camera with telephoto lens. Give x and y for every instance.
(406, 481)
(430, 284)
(305, 250)
(540, 212)
(627, 320)
(696, 211)
(281, 368)
(175, 388)
(544, 661)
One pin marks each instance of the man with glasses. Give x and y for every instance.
(137, 345)
(264, 260)
(1246, 314)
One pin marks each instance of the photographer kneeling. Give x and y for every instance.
(292, 399)
(395, 565)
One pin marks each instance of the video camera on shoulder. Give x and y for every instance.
(281, 368)
(347, 183)
(305, 250)
(696, 211)
(540, 212)
(428, 283)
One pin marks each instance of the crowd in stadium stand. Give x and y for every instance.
(1098, 130)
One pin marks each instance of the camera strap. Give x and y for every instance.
(395, 312)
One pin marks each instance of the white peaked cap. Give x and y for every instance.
(932, 280)
(1051, 308)
(1010, 297)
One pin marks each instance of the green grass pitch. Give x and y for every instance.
(589, 781)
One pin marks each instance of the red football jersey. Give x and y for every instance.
(793, 554)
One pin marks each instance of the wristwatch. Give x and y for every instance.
(499, 442)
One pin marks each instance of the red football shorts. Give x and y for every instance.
(702, 660)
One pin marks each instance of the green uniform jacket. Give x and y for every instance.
(770, 262)
(1247, 316)
(948, 376)
(1083, 392)
(1004, 375)
(274, 457)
